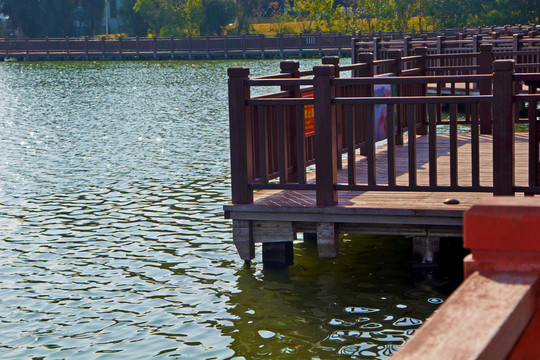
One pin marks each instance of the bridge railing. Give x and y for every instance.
(191, 44)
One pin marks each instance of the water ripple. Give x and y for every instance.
(113, 243)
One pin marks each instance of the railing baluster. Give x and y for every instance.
(263, 145)
(453, 146)
(300, 144)
(391, 148)
(370, 146)
(282, 151)
(475, 146)
(411, 144)
(351, 146)
(432, 145)
(533, 144)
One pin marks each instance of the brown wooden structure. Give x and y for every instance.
(340, 180)
(260, 46)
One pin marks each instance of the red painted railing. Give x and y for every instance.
(495, 313)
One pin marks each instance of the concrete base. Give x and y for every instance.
(327, 240)
(243, 239)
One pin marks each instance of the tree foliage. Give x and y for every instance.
(186, 17)
(57, 18)
(37, 18)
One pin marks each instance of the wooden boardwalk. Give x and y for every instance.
(415, 213)
(399, 188)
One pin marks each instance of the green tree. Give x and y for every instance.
(316, 14)
(171, 17)
(217, 14)
(133, 21)
(92, 14)
(34, 18)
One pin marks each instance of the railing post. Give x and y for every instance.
(476, 42)
(240, 135)
(155, 47)
(376, 48)
(503, 127)
(103, 47)
(485, 61)
(441, 44)
(27, 46)
(295, 129)
(407, 48)
(120, 46)
(137, 44)
(67, 44)
(516, 42)
(172, 46)
(325, 136)
(47, 46)
(339, 113)
(354, 53)
(226, 45)
(85, 47)
(261, 43)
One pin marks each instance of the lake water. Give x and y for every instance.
(113, 243)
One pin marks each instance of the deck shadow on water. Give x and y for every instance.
(362, 305)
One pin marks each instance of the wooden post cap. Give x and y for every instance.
(420, 50)
(323, 70)
(238, 71)
(486, 47)
(503, 223)
(394, 53)
(503, 65)
(289, 66)
(330, 60)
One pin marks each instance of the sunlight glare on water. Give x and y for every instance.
(113, 243)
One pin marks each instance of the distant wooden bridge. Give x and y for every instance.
(460, 144)
(261, 46)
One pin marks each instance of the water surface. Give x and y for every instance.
(113, 243)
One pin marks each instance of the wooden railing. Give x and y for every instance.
(271, 150)
(523, 45)
(195, 45)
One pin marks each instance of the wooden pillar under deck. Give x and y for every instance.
(426, 250)
(278, 254)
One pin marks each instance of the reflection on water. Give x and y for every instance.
(113, 243)
(362, 305)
